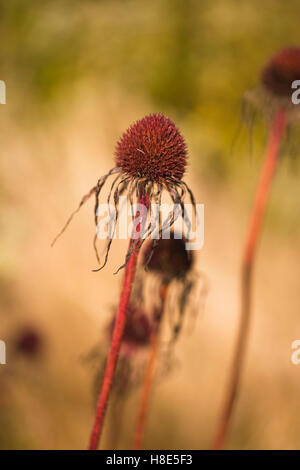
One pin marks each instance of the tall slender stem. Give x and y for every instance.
(117, 335)
(139, 431)
(276, 135)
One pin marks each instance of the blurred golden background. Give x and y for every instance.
(77, 75)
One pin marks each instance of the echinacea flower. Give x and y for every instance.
(169, 281)
(137, 329)
(132, 357)
(169, 264)
(276, 85)
(276, 82)
(281, 71)
(151, 157)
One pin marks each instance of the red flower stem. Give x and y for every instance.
(276, 135)
(116, 337)
(148, 380)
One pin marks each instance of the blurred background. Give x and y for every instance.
(77, 75)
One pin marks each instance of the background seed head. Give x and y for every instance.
(170, 258)
(138, 328)
(280, 72)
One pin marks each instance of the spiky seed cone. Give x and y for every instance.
(152, 148)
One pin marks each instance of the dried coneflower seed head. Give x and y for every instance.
(170, 258)
(137, 330)
(280, 72)
(152, 148)
(151, 159)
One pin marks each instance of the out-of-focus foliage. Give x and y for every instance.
(195, 59)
